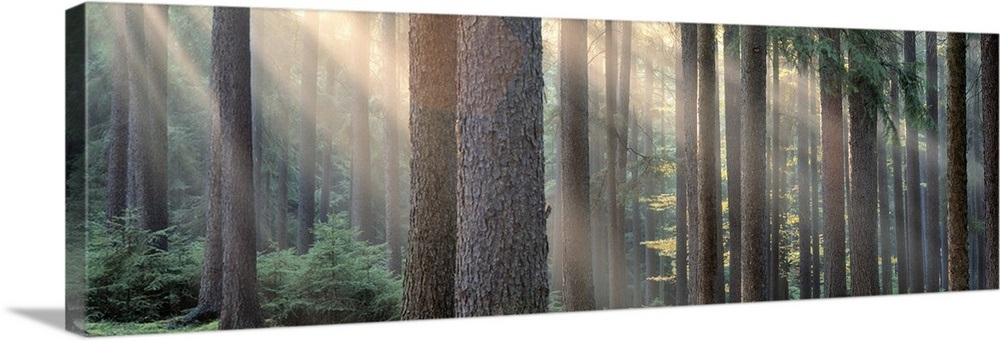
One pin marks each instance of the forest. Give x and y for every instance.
(234, 168)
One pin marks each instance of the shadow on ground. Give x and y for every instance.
(52, 317)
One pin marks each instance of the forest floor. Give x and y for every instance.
(156, 327)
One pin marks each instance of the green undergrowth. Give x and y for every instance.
(156, 327)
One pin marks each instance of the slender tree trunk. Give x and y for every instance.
(709, 220)
(393, 204)
(902, 276)
(914, 226)
(257, 134)
(619, 282)
(805, 194)
(281, 198)
(307, 135)
(830, 68)
(754, 140)
(231, 82)
(651, 187)
(689, 60)
(361, 185)
(932, 169)
(325, 124)
(734, 126)
(958, 205)
(680, 154)
(777, 164)
(429, 279)
(616, 255)
(884, 212)
(574, 175)
(864, 182)
(117, 149)
(817, 266)
(988, 55)
(501, 247)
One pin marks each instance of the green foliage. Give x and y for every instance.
(340, 280)
(129, 280)
(157, 327)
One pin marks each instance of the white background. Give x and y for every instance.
(31, 129)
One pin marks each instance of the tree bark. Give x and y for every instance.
(616, 255)
(754, 139)
(805, 193)
(501, 246)
(958, 205)
(231, 82)
(574, 175)
(680, 154)
(429, 279)
(830, 69)
(709, 220)
(902, 276)
(777, 164)
(988, 55)
(734, 126)
(689, 86)
(864, 182)
(932, 169)
(307, 135)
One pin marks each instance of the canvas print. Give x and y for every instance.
(235, 168)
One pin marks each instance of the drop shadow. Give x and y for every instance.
(52, 317)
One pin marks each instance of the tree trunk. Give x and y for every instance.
(429, 281)
(574, 175)
(754, 140)
(501, 247)
(988, 55)
(709, 220)
(777, 170)
(914, 226)
(231, 81)
(393, 204)
(830, 69)
(650, 187)
(361, 185)
(680, 154)
(884, 212)
(805, 193)
(307, 135)
(147, 145)
(117, 149)
(257, 134)
(958, 205)
(932, 169)
(624, 108)
(281, 198)
(689, 86)
(731, 53)
(817, 266)
(902, 276)
(864, 182)
(616, 255)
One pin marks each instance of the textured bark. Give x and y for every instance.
(680, 154)
(501, 246)
(958, 205)
(817, 268)
(689, 87)
(830, 69)
(362, 217)
(574, 175)
(805, 192)
(932, 169)
(231, 83)
(914, 224)
(902, 276)
(307, 136)
(988, 55)
(734, 126)
(393, 203)
(884, 212)
(709, 208)
(615, 236)
(147, 145)
(863, 180)
(117, 149)
(429, 279)
(754, 140)
(777, 169)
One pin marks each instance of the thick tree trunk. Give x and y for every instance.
(689, 86)
(932, 169)
(734, 126)
(830, 69)
(429, 279)
(754, 140)
(709, 220)
(914, 225)
(393, 203)
(117, 149)
(307, 136)
(864, 182)
(501, 246)
(958, 205)
(231, 81)
(362, 217)
(988, 55)
(574, 175)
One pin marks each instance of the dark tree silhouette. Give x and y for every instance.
(709, 208)
(988, 55)
(734, 126)
(754, 82)
(864, 183)
(914, 226)
(932, 171)
(958, 204)
(830, 69)
(689, 109)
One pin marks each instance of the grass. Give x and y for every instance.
(157, 327)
